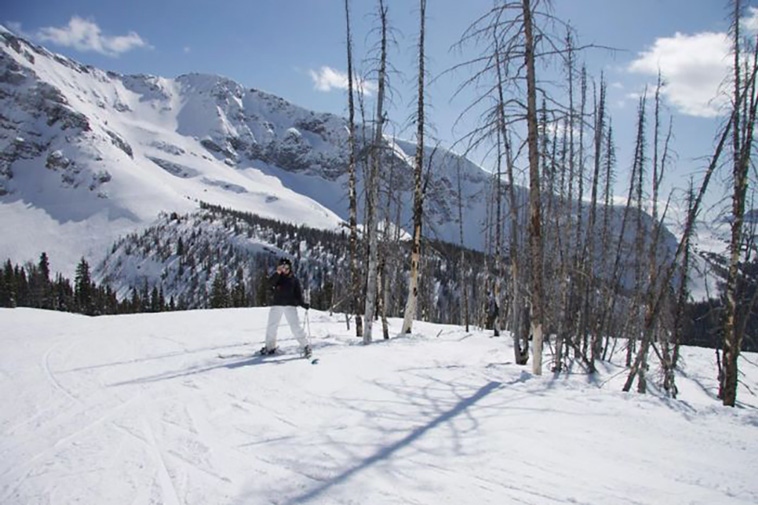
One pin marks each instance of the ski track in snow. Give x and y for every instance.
(140, 410)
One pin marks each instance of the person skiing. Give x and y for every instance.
(288, 296)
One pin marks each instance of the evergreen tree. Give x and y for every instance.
(144, 299)
(239, 294)
(83, 289)
(8, 286)
(263, 291)
(44, 285)
(63, 294)
(23, 297)
(219, 292)
(155, 300)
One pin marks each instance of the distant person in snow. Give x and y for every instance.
(287, 298)
(493, 311)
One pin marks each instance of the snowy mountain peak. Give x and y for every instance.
(104, 153)
(88, 156)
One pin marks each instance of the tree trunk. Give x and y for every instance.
(355, 278)
(463, 267)
(744, 116)
(520, 336)
(535, 218)
(590, 264)
(372, 189)
(418, 195)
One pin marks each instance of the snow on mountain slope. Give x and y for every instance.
(140, 409)
(87, 156)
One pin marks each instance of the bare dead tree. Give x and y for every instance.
(535, 201)
(355, 277)
(670, 347)
(372, 184)
(590, 240)
(744, 103)
(515, 40)
(463, 277)
(667, 273)
(418, 188)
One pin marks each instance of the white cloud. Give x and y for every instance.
(693, 69)
(750, 23)
(85, 35)
(326, 79)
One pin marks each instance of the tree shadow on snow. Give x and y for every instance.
(443, 417)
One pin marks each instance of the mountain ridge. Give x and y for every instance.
(118, 150)
(89, 156)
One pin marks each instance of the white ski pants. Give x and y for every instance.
(275, 315)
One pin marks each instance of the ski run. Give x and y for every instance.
(140, 409)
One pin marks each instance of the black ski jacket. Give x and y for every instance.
(286, 290)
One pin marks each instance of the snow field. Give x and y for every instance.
(140, 409)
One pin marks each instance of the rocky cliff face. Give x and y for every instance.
(32, 108)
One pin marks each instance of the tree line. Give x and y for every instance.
(453, 279)
(32, 285)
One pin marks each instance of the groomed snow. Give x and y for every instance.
(140, 409)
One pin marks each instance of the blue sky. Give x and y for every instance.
(296, 49)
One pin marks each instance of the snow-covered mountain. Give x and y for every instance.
(87, 156)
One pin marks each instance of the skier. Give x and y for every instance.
(287, 298)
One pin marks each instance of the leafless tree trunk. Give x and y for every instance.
(535, 217)
(498, 252)
(581, 280)
(520, 337)
(653, 327)
(463, 266)
(744, 116)
(355, 277)
(590, 267)
(670, 348)
(418, 194)
(603, 326)
(372, 184)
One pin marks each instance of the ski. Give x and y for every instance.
(259, 355)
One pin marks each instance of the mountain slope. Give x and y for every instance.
(88, 156)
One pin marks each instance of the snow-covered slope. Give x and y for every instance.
(87, 156)
(141, 410)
